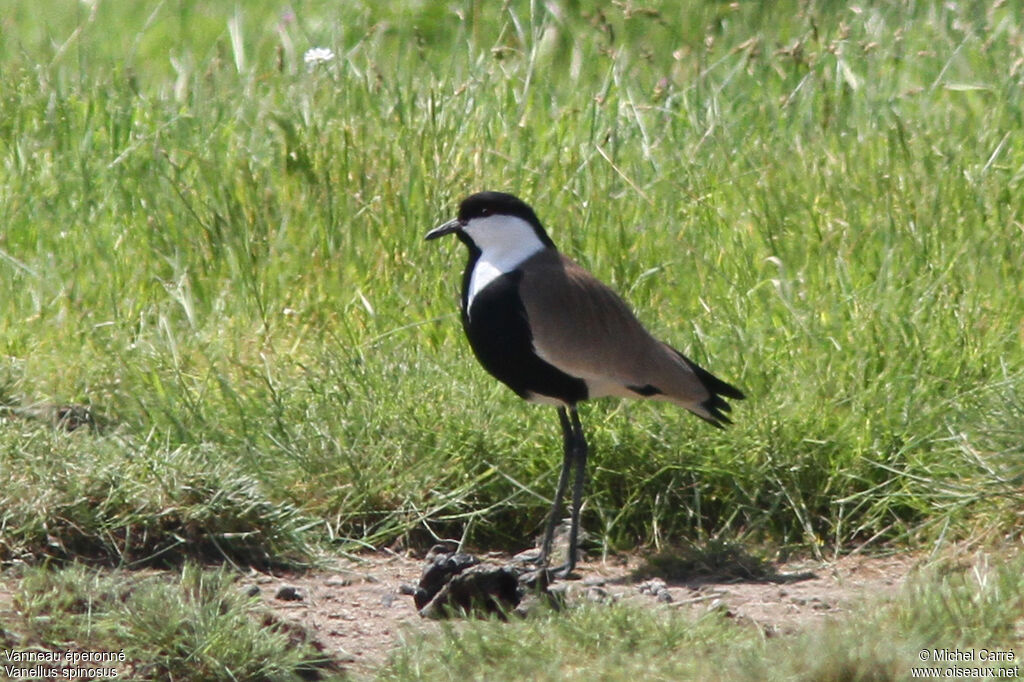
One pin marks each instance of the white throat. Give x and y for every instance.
(504, 242)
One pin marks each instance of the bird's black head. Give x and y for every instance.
(483, 204)
(475, 225)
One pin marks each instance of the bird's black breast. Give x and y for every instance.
(499, 333)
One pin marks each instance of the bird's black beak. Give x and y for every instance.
(441, 230)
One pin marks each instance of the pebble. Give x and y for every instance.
(652, 586)
(338, 581)
(289, 593)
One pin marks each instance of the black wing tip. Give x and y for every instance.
(717, 387)
(730, 391)
(710, 381)
(716, 407)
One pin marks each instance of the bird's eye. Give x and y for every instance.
(485, 212)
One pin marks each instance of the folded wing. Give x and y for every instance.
(583, 328)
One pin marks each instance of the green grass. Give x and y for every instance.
(196, 625)
(228, 259)
(110, 502)
(219, 252)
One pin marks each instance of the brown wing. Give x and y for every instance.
(582, 327)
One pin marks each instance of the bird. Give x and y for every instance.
(556, 335)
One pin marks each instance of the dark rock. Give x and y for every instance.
(485, 588)
(442, 565)
(289, 593)
(455, 583)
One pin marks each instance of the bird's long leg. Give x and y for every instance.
(568, 444)
(579, 459)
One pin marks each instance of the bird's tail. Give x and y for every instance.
(714, 408)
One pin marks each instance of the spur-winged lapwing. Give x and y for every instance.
(554, 334)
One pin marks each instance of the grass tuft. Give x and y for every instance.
(196, 625)
(74, 496)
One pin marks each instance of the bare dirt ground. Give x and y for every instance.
(358, 612)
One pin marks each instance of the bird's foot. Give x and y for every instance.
(563, 572)
(530, 557)
(535, 561)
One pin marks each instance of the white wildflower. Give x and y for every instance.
(317, 55)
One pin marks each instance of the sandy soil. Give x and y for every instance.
(358, 612)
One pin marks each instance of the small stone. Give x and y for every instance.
(528, 556)
(561, 590)
(338, 581)
(664, 596)
(652, 586)
(537, 580)
(251, 590)
(527, 606)
(289, 593)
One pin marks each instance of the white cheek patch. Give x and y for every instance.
(504, 243)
